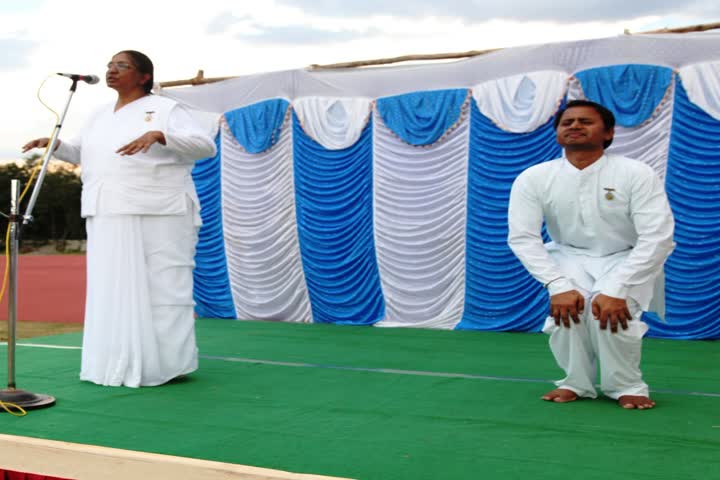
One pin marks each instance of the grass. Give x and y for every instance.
(38, 329)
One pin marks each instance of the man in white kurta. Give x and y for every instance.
(611, 229)
(142, 216)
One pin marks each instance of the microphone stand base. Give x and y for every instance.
(26, 400)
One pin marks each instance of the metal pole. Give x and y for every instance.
(12, 395)
(22, 398)
(27, 218)
(12, 281)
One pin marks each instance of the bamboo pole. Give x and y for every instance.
(690, 29)
(201, 80)
(404, 58)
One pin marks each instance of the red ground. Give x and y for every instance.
(51, 288)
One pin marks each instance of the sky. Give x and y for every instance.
(241, 37)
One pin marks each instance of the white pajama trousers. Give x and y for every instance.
(579, 348)
(139, 321)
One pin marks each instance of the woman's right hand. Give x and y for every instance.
(38, 143)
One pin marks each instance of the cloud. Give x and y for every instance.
(561, 11)
(317, 22)
(301, 35)
(223, 21)
(16, 52)
(248, 30)
(7, 154)
(20, 6)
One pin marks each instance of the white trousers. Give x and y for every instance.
(579, 348)
(139, 321)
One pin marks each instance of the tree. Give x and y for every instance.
(56, 216)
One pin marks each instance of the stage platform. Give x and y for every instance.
(374, 403)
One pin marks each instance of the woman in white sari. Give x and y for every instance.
(142, 219)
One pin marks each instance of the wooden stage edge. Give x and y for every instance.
(85, 462)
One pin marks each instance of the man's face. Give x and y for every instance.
(582, 128)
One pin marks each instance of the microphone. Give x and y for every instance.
(91, 79)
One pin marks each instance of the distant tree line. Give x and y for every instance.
(56, 216)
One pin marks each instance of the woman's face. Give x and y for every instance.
(122, 74)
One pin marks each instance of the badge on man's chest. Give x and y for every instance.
(609, 193)
(149, 116)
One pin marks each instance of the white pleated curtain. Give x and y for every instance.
(419, 193)
(260, 231)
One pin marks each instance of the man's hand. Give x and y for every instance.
(614, 310)
(142, 143)
(565, 306)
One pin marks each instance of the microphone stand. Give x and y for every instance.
(12, 394)
(27, 218)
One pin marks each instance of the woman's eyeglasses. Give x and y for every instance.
(122, 66)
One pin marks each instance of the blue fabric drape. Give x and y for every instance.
(631, 92)
(333, 192)
(257, 127)
(334, 207)
(693, 186)
(421, 118)
(211, 281)
(499, 293)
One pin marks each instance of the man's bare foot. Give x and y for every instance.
(635, 401)
(560, 395)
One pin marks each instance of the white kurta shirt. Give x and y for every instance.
(158, 182)
(615, 209)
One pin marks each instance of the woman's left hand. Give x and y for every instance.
(142, 143)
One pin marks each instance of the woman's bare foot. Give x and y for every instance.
(560, 395)
(635, 401)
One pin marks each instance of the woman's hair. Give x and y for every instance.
(143, 64)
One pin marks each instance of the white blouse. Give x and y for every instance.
(158, 182)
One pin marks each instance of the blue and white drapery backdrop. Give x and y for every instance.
(392, 211)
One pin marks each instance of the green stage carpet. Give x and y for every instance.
(374, 403)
